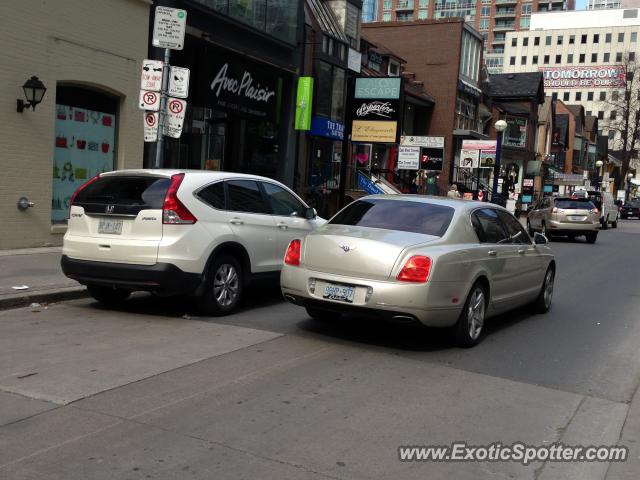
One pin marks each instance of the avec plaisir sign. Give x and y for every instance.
(610, 76)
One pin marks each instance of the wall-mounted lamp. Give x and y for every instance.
(34, 90)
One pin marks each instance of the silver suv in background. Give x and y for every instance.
(565, 216)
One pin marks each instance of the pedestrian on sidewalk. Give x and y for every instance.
(453, 192)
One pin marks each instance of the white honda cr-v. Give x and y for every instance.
(201, 233)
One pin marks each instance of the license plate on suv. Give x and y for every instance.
(341, 293)
(576, 218)
(110, 226)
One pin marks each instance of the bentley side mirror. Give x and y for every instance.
(310, 213)
(540, 239)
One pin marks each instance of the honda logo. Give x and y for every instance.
(109, 208)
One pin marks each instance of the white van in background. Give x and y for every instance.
(605, 203)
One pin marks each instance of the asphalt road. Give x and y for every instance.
(154, 391)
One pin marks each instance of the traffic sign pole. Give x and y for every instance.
(163, 108)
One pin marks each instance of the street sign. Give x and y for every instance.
(150, 126)
(151, 78)
(179, 82)
(169, 27)
(408, 158)
(176, 110)
(149, 100)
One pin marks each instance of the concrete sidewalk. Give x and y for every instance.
(39, 270)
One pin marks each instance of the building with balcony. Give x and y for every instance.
(492, 18)
(602, 4)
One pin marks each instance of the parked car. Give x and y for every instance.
(568, 216)
(439, 262)
(606, 204)
(631, 209)
(200, 233)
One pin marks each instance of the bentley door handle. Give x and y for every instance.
(492, 253)
(236, 221)
(282, 226)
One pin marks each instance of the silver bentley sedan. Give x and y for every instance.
(440, 262)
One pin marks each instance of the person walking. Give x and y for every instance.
(453, 192)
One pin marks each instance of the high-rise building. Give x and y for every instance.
(492, 18)
(582, 56)
(370, 10)
(600, 4)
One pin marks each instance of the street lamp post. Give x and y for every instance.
(599, 165)
(500, 127)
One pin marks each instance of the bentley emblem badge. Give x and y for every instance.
(109, 208)
(347, 248)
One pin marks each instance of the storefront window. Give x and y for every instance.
(330, 94)
(466, 112)
(278, 19)
(85, 134)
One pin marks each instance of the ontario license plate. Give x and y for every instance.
(575, 218)
(110, 226)
(339, 292)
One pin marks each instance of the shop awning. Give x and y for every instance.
(470, 134)
(327, 21)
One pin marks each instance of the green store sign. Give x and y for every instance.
(303, 103)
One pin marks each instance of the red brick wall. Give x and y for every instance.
(432, 52)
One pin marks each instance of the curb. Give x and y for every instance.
(18, 301)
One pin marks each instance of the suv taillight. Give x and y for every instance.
(292, 257)
(555, 210)
(173, 210)
(594, 210)
(75, 194)
(416, 269)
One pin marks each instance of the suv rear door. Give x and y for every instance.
(118, 218)
(252, 224)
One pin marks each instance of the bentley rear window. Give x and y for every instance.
(404, 216)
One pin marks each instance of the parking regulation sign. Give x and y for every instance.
(149, 100)
(176, 110)
(169, 27)
(151, 78)
(150, 126)
(179, 82)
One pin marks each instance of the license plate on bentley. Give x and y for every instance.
(342, 293)
(110, 226)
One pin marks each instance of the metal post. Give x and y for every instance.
(495, 197)
(163, 109)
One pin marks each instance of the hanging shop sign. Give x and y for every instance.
(323, 127)
(354, 60)
(516, 133)
(431, 150)
(478, 154)
(374, 131)
(238, 85)
(408, 158)
(304, 100)
(378, 88)
(376, 110)
(610, 76)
